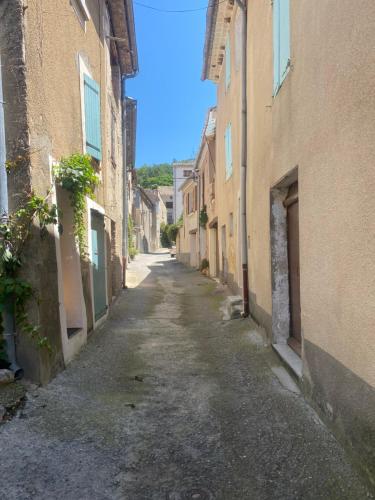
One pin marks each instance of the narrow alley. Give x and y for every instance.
(169, 402)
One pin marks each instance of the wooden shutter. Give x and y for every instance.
(92, 118)
(281, 42)
(276, 45)
(284, 38)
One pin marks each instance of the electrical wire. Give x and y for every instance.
(176, 11)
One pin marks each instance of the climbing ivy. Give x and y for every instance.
(77, 176)
(132, 251)
(203, 217)
(15, 233)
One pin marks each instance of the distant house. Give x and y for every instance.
(166, 193)
(148, 213)
(187, 244)
(206, 173)
(181, 171)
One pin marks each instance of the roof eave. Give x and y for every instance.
(122, 18)
(212, 11)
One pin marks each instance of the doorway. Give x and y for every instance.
(285, 266)
(98, 264)
(291, 205)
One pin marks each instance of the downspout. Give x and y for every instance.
(8, 314)
(124, 187)
(243, 216)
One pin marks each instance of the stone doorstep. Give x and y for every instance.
(290, 358)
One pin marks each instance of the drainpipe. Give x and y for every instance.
(244, 256)
(8, 315)
(125, 187)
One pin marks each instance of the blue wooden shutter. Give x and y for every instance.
(227, 62)
(281, 42)
(284, 38)
(276, 45)
(92, 118)
(228, 151)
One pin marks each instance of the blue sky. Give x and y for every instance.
(172, 99)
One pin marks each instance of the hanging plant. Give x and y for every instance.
(203, 217)
(15, 232)
(77, 176)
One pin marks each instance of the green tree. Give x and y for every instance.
(152, 176)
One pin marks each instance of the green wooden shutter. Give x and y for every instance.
(284, 38)
(276, 45)
(281, 42)
(92, 118)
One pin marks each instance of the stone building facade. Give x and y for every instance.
(60, 102)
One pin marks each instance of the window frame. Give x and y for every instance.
(228, 152)
(81, 11)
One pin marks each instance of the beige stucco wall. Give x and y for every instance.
(54, 46)
(321, 120)
(229, 111)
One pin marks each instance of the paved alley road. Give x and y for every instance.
(169, 402)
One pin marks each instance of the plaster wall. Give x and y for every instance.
(321, 121)
(45, 121)
(229, 111)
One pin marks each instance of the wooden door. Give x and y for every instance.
(291, 204)
(98, 264)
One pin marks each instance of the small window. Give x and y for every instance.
(228, 151)
(187, 173)
(281, 42)
(81, 10)
(227, 62)
(169, 204)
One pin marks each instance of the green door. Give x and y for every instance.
(98, 263)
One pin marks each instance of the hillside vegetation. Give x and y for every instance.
(151, 176)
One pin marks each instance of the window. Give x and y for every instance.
(187, 173)
(227, 62)
(169, 204)
(81, 10)
(92, 118)
(281, 42)
(228, 151)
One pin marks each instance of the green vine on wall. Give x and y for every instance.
(203, 217)
(15, 232)
(77, 176)
(132, 251)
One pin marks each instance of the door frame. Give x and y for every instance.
(280, 272)
(92, 205)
